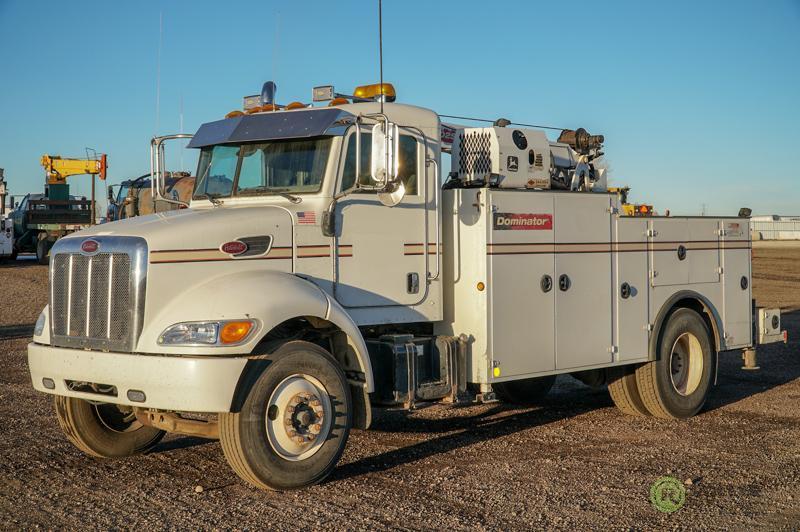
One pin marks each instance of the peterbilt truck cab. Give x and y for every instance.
(327, 263)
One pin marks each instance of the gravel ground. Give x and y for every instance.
(574, 463)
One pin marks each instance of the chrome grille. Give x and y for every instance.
(97, 300)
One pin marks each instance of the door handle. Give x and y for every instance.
(564, 282)
(546, 283)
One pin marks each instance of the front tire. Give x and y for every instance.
(524, 391)
(43, 251)
(104, 430)
(294, 422)
(676, 384)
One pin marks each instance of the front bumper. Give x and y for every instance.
(186, 384)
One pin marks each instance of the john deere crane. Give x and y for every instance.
(41, 219)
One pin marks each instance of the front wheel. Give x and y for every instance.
(676, 384)
(104, 430)
(43, 251)
(293, 424)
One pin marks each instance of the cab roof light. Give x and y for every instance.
(338, 101)
(262, 109)
(375, 91)
(234, 114)
(296, 105)
(251, 102)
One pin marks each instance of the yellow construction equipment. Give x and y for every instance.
(631, 209)
(58, 169)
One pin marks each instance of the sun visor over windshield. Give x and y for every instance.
(269, 126)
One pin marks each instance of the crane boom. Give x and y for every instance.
(58, 168)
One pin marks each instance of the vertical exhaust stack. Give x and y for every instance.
(268, 93)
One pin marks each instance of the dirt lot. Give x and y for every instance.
(574, 463)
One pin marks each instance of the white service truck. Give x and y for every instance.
(6, 224)
(327, 263)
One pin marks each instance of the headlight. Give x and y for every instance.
(38, 329)
(222, 333)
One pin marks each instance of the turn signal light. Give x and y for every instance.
(372, 92)
(234, 331)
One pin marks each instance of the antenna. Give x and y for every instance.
(380, 48)
(158, 67)
(276, 45)
(181, 129)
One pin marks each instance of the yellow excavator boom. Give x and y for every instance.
(58, 168)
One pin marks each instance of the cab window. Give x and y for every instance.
(406, 164)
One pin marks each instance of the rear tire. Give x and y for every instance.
(294, 422)
(104, 430)
(524, 391)
(625, 392)
(676, 384)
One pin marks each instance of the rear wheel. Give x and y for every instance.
(625, 392)
(293, 425)
(104, 430)
(675, 386)
(524, 391)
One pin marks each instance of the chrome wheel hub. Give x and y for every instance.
(686, 364)
(299, 415)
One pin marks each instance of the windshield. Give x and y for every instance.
(122, 193)
(276, 167)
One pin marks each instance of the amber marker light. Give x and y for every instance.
(371, 92)
(481, 287)
(234, 332)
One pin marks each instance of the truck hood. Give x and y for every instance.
(191, 229)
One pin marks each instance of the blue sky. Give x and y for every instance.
(698, 100)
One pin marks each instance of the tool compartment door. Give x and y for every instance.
(583, 300)
(520, 254)
(737, 283)
(632, 302)
(684, 251)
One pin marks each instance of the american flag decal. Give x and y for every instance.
(307, 217)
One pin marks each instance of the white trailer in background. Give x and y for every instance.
(6, 224)
(325, 263)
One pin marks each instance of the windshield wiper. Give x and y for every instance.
(213, 198)
(283, 192)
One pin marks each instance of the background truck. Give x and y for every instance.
(6, 224)
(41, 219)
(134, 197)
(326, 264)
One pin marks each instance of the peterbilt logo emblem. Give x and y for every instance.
(90, 246)
(522, 222)
(234, 247)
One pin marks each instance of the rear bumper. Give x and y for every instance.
(187, 384)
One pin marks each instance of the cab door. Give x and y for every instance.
(382, 253)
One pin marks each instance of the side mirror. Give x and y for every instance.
(383, 168)
(384, 163)
(110, 193)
